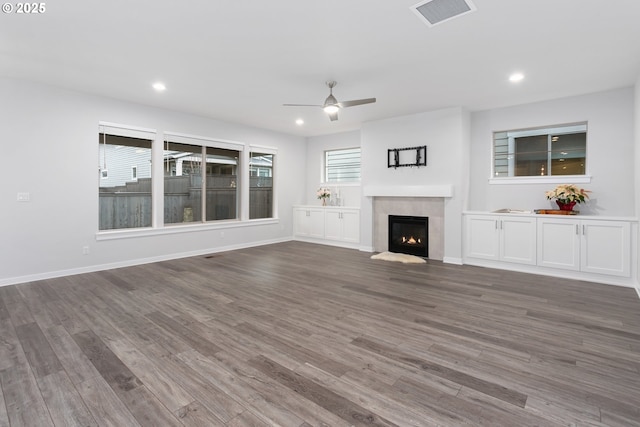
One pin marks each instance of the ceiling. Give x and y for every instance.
(240, 61)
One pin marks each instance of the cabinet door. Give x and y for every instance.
(351, 226)
(301, 222)
(332, 225)
(559, 243)
(482, 237)
(316, 223)
(518, 239)
(308, 222)
(343, 226)
(606, 247)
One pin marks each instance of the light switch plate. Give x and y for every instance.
(24, 197)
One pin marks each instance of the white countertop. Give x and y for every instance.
(527, 213)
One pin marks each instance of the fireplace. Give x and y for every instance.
(409, 235)
(432, 207)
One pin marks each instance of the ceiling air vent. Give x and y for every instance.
(436, 11)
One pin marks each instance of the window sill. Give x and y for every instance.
(181, 228)
(564, 179)
(341, 184)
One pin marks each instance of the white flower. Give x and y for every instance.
(323, 193)
(567, 193)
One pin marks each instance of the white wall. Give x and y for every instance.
(445, 133)
(637, 160)
(610, 148)
(316, 147)
(50, 150)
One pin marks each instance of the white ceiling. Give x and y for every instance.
(239, 61)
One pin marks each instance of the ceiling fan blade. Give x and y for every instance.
(346, 104)
(331, 104)
(302, 105)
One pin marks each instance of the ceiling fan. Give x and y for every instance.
(331, 105)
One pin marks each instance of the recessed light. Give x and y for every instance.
(159, 86)
(299, 122)
(516, 77)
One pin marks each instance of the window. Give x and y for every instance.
(187, 178)
(221, 184)
(197, 180)
(260, 185)
(182, 183)
(125, 180)
(552, 151)
(342, 165)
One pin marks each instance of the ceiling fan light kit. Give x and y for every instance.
(331, 106)
(330, 109)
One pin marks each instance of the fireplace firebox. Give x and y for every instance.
(409, 235)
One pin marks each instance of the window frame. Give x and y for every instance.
(158, 226)
(546, 179)
(272, 151)
(204, 143)
(125, 131)
(325, 169)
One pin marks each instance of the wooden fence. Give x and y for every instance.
(129, 206)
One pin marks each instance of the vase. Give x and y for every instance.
(324, 201)
(565, 206)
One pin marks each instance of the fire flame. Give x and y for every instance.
(411, 240)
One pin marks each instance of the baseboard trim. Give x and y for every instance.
(327, 242)
(626, 282)
(131, 263)
(452, 260)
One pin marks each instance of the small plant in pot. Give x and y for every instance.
(567, 195)
(323, 194)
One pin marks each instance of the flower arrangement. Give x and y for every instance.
(568, 193)
(323, 193)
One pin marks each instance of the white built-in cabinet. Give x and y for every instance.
(552, 244)
(342, 225)
(592, 246)
(501, 238)
(331, 225)
(309, 222)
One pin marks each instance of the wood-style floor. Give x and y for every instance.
(296, 334)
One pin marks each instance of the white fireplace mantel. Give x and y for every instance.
(408, 191)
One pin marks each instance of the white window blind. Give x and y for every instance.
(342, 165)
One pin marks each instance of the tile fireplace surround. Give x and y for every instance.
(432, 207)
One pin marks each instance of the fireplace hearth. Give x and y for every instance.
(409, 235)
